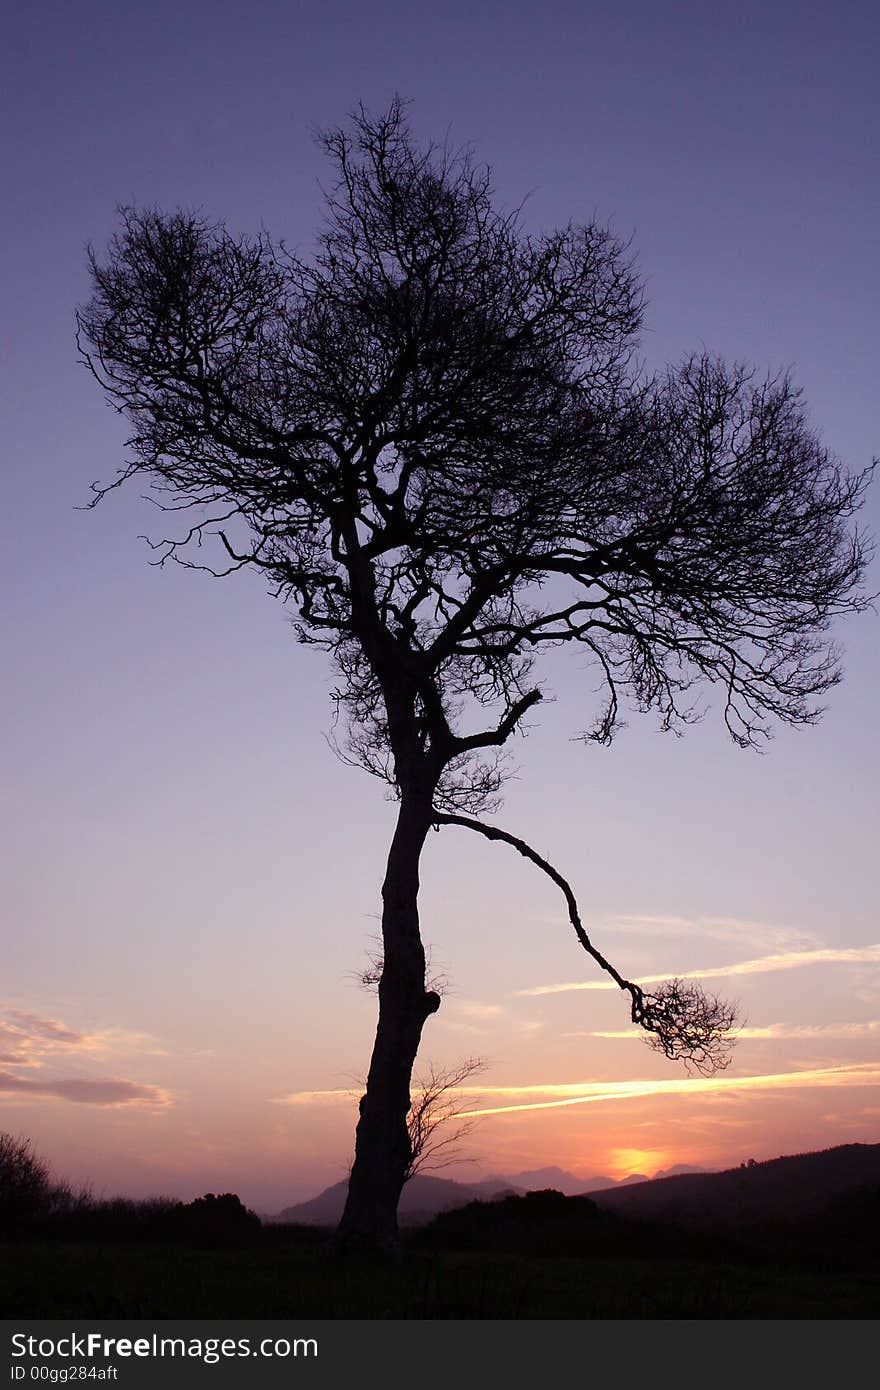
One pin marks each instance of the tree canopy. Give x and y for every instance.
(436, 440)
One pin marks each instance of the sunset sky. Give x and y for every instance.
(192, 878)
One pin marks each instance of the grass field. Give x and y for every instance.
(289, 1280)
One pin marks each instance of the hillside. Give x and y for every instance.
(423, 1197)
(789, 1189)
(537, 1179)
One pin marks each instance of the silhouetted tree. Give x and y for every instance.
(437, 1121)
(25, 1183)
(434, 440)
(216, 1220)
(28, 1189)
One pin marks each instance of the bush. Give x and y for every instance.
(217, 1221)
(25, 1184)
(209, 1222)
(537, 1223)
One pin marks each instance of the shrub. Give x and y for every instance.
(25, 1183)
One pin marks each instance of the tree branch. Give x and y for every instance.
(685, 1023)
(504, 729)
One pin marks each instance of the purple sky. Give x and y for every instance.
(171, 807)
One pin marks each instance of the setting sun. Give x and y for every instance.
(621, 1163)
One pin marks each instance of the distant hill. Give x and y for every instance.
(422, 1198)
(559, 1179)
(805, 1213)
(790, 1189)
(425, 1196)
(793, 1188)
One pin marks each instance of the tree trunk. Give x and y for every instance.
(382, 1145)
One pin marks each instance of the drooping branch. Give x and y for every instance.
(684, 1022)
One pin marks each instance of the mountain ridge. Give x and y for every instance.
(425, 1195)
(784, 1188)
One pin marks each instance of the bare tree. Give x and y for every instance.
(28, 1188)
(25, 1182)
(435, 441)
(438, 1121)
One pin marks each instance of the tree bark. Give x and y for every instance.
(382, 1144)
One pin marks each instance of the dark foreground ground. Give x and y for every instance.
(543, 1256)
(165, 1282)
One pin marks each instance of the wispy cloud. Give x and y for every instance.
(592, 1092)
(26, 1038)
(549, 1095)
(13, 1046)
(121, 1042)
(782, 1031)
(473, 1009)
(471, 1016)
(337, 1097)
(744, 929)
(29, 1042)
(110, 1091)
(788, 960)
(32, 1025)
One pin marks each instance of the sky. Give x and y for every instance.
(180, 1010)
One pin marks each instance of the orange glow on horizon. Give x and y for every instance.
(621, 1163)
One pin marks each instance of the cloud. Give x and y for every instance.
(110, 1091)
(782, 1031)
(317, 1097)
(32, 1025)
(28, 1039)
(472, 1009)
(119, 1041)
(470, 1016)
(790, 960)
(25, 1038)
(857, 1074)
(548, 1096)
(13, 1046)
(746, 929)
